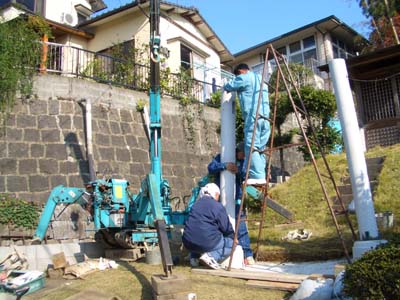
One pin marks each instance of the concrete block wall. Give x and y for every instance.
(43, 142)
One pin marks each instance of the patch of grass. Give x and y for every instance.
(303, 196)
(133, 281)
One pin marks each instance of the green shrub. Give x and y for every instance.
(376, 275)
(18, 212)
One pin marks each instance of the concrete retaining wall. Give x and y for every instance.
(40, 256)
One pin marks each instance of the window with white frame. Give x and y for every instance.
(303, 51)
(186, 57)
(340, 49)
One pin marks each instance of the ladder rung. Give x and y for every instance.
(300, 110)
(326, 176)
(264, 117)
(259, 151)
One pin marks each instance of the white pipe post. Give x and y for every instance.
(89, 134)
(228, 153)
(365, 212)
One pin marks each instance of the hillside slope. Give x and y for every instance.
(303, 196)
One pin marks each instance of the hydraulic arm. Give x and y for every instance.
(59, 195)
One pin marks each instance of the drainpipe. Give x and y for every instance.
(368, 229)
(228, 153)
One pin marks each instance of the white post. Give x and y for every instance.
(368, 229)
(228, 153)
(89, 134)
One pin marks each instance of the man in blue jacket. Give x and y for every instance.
(248, 85)
(208, 231)
(215, 167)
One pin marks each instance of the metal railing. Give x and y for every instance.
(104, 68)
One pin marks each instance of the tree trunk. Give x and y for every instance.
(395, 35)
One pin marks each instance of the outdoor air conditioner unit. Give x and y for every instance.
(67, 18)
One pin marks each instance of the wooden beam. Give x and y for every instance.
(170, 10)
(188, 14)
(212, 37)
(198, 23)
(268, 276)
(273, 285)
(43, 60)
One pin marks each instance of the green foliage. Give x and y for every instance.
(301, 75)
(328, 137)
(239, 122)
(215, 100)
(283, 109)
(376, 275)
(18, 212)
(378, 9)
(140, 105)
(320, 104)
(19, 56)
(321, 107)
(95, 69)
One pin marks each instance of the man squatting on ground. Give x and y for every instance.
(208, 232)
(215, 167)
(247, 84)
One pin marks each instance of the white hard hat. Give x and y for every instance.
(210, 189)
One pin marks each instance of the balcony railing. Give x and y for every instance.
(73, 61)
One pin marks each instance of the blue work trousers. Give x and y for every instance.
(258, 160)
(221, 251)
(243, 234)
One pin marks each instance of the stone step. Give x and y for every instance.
(373, 173)
(347, 189)
(375, 160)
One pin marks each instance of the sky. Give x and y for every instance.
(242, 24)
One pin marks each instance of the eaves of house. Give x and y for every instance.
(374, 65)
(378, 64)
(189, 13)
(329, 24)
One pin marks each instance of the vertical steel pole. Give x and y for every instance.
(155, 114)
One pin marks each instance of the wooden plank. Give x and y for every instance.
(281, 277)
(275, 206)
(273, 285)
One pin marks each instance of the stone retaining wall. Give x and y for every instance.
(43, 144)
